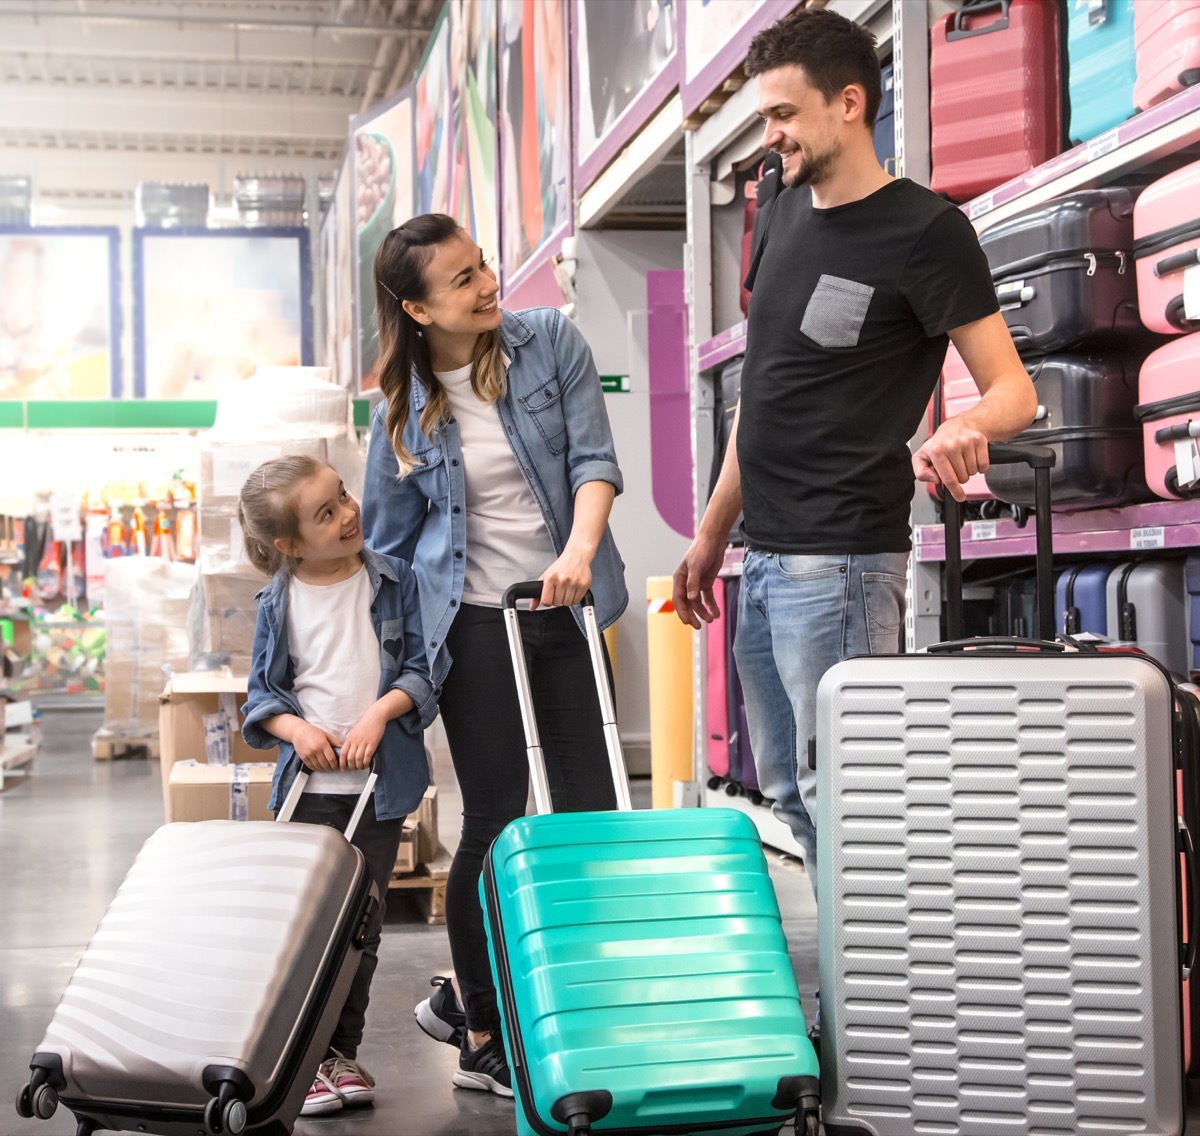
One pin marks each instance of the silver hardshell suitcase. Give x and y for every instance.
(999, 868)
(207, 997)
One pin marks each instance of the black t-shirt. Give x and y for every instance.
(846, 336)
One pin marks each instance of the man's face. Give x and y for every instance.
(799, 125)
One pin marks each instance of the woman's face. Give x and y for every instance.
(462, 290)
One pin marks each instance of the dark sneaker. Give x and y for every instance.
(440, 1015)
(484, 1068)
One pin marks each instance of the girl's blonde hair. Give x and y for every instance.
(267, 508)
(403, 348)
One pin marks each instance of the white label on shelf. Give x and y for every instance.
(231, 465)
(983, 530)
(1191, 292)
(1102, 144)
(1149, 537)
(981, 205)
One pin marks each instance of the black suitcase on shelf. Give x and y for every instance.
(1085, 414)
(1064, 271)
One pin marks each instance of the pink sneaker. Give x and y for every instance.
(350, 1081)
(323, 1098)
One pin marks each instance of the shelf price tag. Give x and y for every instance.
(1152, 536)
(983, 530)
(1102, 144)
(1191, 292)
(981, 205)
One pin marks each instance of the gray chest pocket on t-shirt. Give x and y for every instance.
(836, 311)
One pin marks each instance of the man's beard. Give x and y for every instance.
(812, 171)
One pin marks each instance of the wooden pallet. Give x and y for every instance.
(108, 745)
(426, 886)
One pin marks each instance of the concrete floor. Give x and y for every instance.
(68, 834)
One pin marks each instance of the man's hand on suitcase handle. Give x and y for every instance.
(952, 456)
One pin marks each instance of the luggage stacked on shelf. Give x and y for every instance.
(1166, 224)
(1064, 279)
(1101, 69)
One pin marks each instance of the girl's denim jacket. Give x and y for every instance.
(553, 412)
(396, 615)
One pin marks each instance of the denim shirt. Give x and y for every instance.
(553, 412)
(395, 614)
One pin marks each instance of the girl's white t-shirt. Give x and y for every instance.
(335, 656)
(507, 538)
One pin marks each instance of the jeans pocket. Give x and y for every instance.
(883, 598)
(797, 566)
(836, 311)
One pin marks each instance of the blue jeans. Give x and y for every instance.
(797, 616)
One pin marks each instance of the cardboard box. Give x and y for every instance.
(426, 822)
(182, 706)
(220, 792)
(406, 854)
(230, 612)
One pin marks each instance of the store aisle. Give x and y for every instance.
(68, 835)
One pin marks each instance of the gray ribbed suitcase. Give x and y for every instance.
(211, 988)
(999, 863)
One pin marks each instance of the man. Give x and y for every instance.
(858, 281)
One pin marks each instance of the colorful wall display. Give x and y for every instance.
(337, 237)
(474, 93)
(626, 63)
(383, 198)
(59, 313)
(535, 133)
(434, 135)
(215, 305)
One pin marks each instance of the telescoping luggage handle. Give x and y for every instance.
(297, 790)
(1041, 459)
(532, 590)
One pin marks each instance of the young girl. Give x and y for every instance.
(492, 462)
(339, 674)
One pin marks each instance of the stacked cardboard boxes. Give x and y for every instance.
(208, 771)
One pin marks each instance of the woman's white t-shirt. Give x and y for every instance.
(507, 538)
(335, 656)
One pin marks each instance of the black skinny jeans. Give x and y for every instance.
(487, 745)
(379, 841)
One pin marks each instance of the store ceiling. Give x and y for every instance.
(260, 78)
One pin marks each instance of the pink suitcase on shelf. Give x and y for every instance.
(717, 688)
(995, 103)
(1166, 242)
(1167, 41)
(1169, 390)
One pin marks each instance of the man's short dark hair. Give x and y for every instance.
(833, 51)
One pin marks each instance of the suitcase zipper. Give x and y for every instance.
(1166, 407)
(1165, 238)
(1061, 259)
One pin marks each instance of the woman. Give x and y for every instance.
(492, 462)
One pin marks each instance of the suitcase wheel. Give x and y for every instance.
(25, 1102)
(45, 1102)
(229, 1120)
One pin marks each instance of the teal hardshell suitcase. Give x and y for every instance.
(1101, 66)
(640, 962)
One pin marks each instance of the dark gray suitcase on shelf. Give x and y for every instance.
(209, 992)
(1064, 270)
(999, 863)
(1147, 609)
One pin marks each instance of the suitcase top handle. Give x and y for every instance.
(977, 7)
(1041, 460)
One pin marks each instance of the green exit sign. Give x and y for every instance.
(615, 384)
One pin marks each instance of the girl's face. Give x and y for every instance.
(328, 519)
(462, 290)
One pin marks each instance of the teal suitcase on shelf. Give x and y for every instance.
(1101, 66)
(642, 972)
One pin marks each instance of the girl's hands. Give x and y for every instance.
(566, 581)
(363, 739)
(315, 747)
